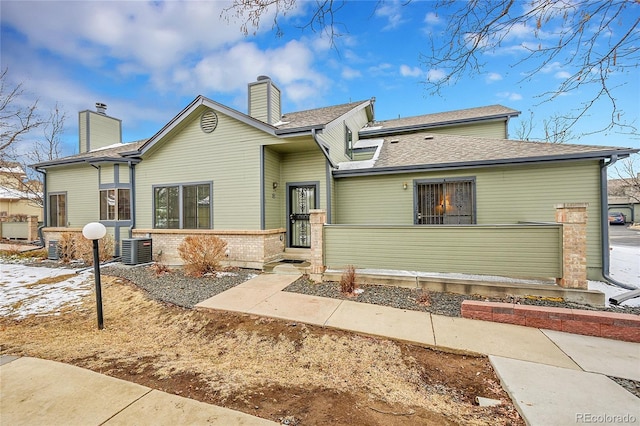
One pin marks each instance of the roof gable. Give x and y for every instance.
(316, 118)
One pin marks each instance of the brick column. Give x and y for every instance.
(573, 217)
(317, 218)
(33, 227)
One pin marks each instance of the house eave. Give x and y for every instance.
(364, 133)
(482, 163)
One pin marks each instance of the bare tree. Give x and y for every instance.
(587, 37)
(16, 120)
(628, 184)
(16, 153)
(555, 129)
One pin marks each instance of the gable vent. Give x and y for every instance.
(208, 121)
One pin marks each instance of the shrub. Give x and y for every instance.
(348, 280)
(160, 268)
(73, 246)
(202, 254)
(106, 245)
(67, 247)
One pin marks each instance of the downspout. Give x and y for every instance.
(604, 225)
(44, 206)
(132, 193)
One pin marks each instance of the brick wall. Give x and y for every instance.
(573, 217)
(246, 249)
(611, 325)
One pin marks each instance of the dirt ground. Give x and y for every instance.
(288, 372)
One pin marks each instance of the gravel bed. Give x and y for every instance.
(418, 300)
(177, 288)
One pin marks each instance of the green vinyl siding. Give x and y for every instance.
(80, 183)
(229, 157)
(308, 166)
(97, 131)
(492, 129)
(527, 251)
(504, 195)
(273, 198)
(335, 135)
(258, 102)
(107, 174)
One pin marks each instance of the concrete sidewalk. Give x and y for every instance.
(39, 392)
(553, 378)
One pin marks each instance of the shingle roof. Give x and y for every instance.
(438, 150)
(110, 152)
(315, 117)
(440, 118)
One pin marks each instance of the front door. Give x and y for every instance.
(302, 198)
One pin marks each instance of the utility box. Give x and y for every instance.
(53, 253)
(136, 251)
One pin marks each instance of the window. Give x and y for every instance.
(445, 202)
(58, 210)
(182, 206)
(115, 204)
(348, 148)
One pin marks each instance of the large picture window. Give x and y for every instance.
(115, 204)
(58, 210)
(182, 206)
(445, 202)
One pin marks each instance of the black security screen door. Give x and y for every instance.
(301, 200)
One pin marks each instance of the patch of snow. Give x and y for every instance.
(625, 265)
(610, 290)
(363, 164)
(22, 295)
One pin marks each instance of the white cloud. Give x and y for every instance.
(407, 71)
(511, 96)
(349, 73)
(432, 19)
(392, 12)
(562, 75)
(436, 75)
(493, 76)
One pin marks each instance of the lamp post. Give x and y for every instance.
(94, 231)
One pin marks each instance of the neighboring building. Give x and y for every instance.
(625, 198)
(15, 200)
(253, 178)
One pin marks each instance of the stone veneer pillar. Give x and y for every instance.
(317, 219)
(573, 217)
(33, 228)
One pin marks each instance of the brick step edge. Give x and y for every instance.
(610, 325)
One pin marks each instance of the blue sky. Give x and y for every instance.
(148, 60)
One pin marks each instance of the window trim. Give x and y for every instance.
(66, 204)
(116, 217)
(180, 187)
(443, 181)
(348, 142)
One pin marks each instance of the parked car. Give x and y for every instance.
(616, 218)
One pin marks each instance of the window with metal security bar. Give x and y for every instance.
(445, 201)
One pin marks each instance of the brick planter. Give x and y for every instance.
(610, 325)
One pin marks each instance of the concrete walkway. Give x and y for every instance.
(553, 378)
(39, 392)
